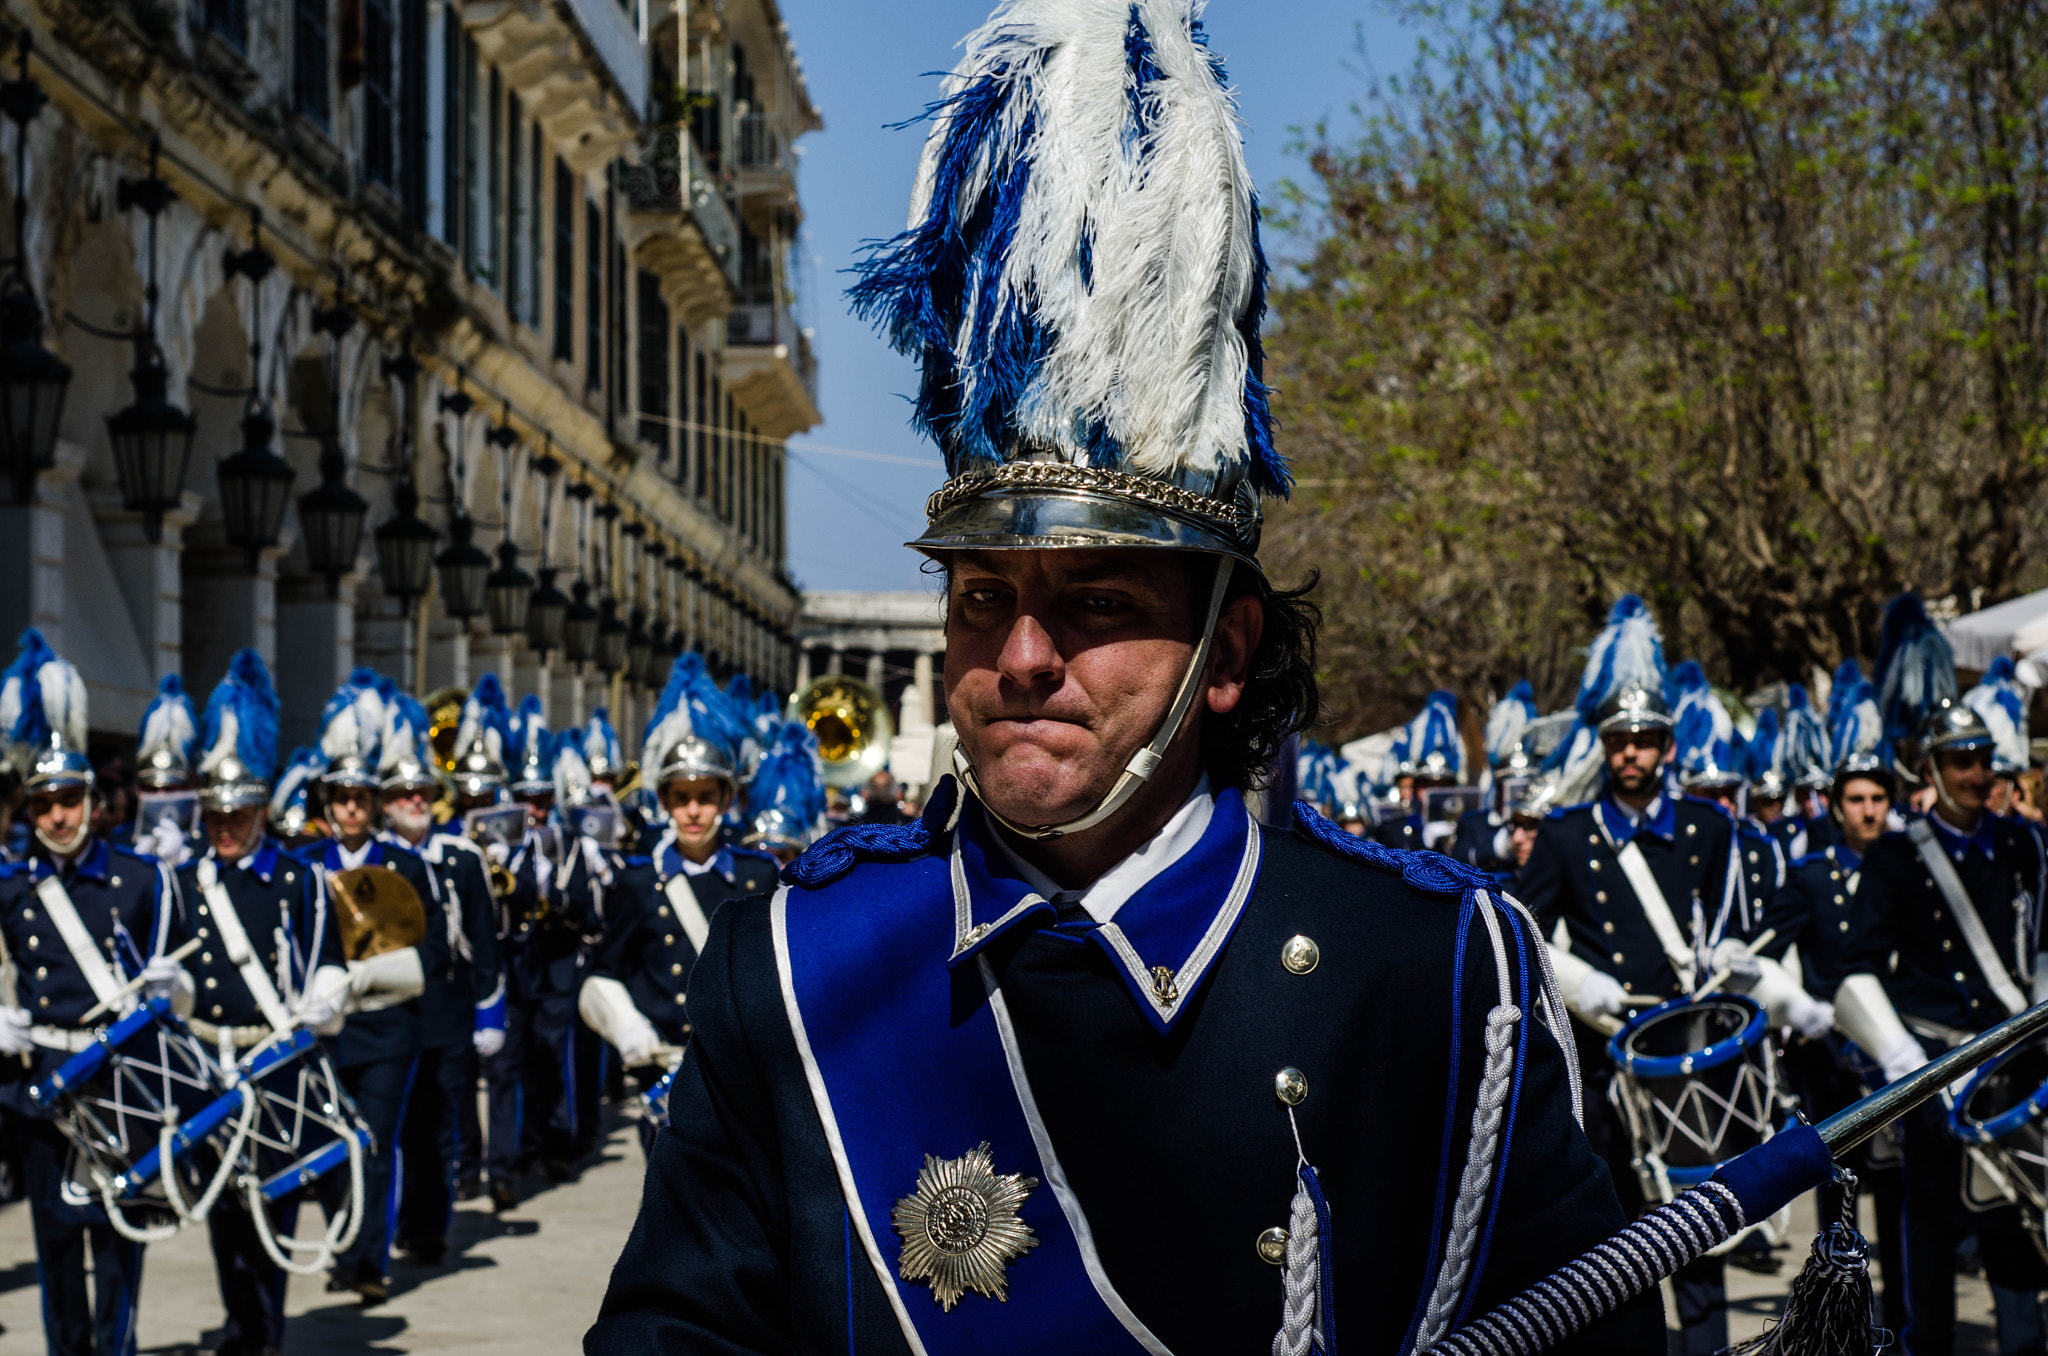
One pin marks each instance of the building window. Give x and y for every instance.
(683, 407)
(654, 365)
(565, 263)
(230, 19)
(451, 128)
(515, 210)
(536, 222)
(479, 130)
(380, 94)
(412, 109)
(310, 96)
(493, 207)
(729, 451)
(700, 435)
(714, 467)
(593, 296)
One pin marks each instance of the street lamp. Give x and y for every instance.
(464, 570)
(255, 481)
(547, 614)
(152, 438)
(33, 380)
(611, 638)
(579, 627)
(332, 516)
(405, 546)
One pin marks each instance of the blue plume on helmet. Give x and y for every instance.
(170, 722)
(1856, 733)
(353, 719)
(791, 778)
(1508, 719)
(1706, 743)
(406, 726)
(1434, 731)
(1315, 768)
(601, 742)
(241, 717)
(486, 716)
(1763, 752)
(693, 697)
(19, 682)
(1806, 737)
(2001, 702)
(1916, 669)
(302, 769)
(1848, 674)
(1628, 652)
(530, 737)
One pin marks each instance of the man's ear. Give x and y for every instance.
(1238, 628)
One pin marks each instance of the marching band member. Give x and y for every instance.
(378, 1050)
(463, 1008)
(1435, 758)
(999, 1053)
(164, 753)
(786, 798)
(255, 910)
(1810, 763)
(1942, 944)
(1485, 836)
(79, 917)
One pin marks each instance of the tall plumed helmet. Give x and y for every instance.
(291, 802)
(569, 770)
(600, 749)
(1808, 760)
(1707, 759)
(1506, 722)
(404, 756)
(1856, 728)
(168, 742)
(49, 732)
(482, 739)
(2001, 703)
(351, 725)
(1315, 769)
(1436, 752)
(1763, 757)
(694, 734)
(1621, 689)
(1916, 675)
(786, 799)
(32, 653)
(1082, 283)
(238, 737)
(532, 746)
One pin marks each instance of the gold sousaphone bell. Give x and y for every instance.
(851, 723)
(377, 910)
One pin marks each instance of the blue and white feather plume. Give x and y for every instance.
(2002, 703)
(241, 718)
(1916, 669)
(170, 723)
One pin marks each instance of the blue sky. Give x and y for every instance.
(867, 63)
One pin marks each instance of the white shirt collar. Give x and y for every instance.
(350, 860)
(1108, 892)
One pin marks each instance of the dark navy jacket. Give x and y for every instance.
(124, 900)
(1903, 931)
(1574, 873)
(648, 950)
(1475, 843)
(547, 923)
(395, 1032)
(463, 912)
(274, 894)
(1821, 891)
(1172, 1143)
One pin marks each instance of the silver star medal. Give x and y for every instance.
(960, 1227)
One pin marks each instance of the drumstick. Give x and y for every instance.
(107, 1004)
(1720, 977)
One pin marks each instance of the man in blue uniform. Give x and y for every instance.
(378, 1049)
(1942, 944)
(79, 917)
(253, 908)
(1084, 1058)
(462, 1008)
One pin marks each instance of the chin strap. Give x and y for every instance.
(1941, 795)
(1146, 760)
(71, 845)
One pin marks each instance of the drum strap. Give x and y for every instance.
(84, 953)
(240, 954)
(1979, 941)
(1651, 897)
(688, 911)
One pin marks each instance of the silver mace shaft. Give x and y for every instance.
(1744, 1190)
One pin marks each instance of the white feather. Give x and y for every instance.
(1504, 727)
(671, 730)
(10, 707)
(224, 741)
(169, 726)
(63, 690)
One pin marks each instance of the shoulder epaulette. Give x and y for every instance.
(1430, 872)
(9, 870)
(635, 859)
(1561, 811)
(846, 847)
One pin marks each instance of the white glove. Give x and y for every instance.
(2038, 988)
(488, 1040)
(637, 1047)
(167, 843)
(1810, 1017)
(1904, 1056)
(1743, 969)
(316, 1012)
(160, 978)
(14, 1025)
(1601, 995)
(498, 853)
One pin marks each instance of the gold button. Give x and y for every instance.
(216, 1009)
(1840, 900)
(34, 942)
(1695, 861)
(1290, 1085)
(1600, 896)
(206, 958)
(679, 998)
(1843, 925)
(1272, 1247)
(663, 911)
(1608, 927)
(202, 934)
(1594, 839)
(1947, 945)
(43, 1002)
(675, 969)
(1691, 829)
(1299, 955)
(1628, 986)
(212, 983)
(289, 878)
(1834, 875)
(115, 882)
(1617, 958)
(668, 939)
(28, 913)
(1594, 864)
(42, 972)
(1959, 976)
(202, 911)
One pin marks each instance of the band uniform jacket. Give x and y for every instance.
(1574, 874)
(1173, 1143)
(275, 901)
(396, 1032)
(1903, 931)
(647, 946)
(462, 910)
(1821, 892)
(126, 903)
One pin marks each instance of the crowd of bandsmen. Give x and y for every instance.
(1666, 836)
(565, 892)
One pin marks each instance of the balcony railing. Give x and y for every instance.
(761, 142)
(672, 177)
(615, 36)
(762, 320)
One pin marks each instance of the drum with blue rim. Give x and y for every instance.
(1696, 1082)
(2001, 1116)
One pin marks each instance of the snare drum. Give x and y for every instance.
(2000, 1117)
(115, 1101)
(1696, 1082)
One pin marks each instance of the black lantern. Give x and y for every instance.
(152, 438)
(611, 638)
(653, 669)
(639, 645)
(33, 380)
(254, 485)
(464, 569)
(508, 590)
(579, 627)
(331, 515)
(547, 614)
(405, 547)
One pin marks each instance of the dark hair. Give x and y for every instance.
(1280, 695)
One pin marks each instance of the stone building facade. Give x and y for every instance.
(528, 268)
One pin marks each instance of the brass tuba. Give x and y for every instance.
(851, 724)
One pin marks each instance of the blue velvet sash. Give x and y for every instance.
(870, 999)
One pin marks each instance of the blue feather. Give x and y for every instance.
(1916, 669)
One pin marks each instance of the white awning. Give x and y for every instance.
(2016, 627)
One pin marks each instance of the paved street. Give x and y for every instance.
(529, 1281)
(525, 1282)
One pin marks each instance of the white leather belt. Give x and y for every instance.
(240, 1037)
(68, 1039)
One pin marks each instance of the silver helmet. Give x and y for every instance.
(1953, 726)
(164, 748)
(777, 828)
(350, 727)
(239, 737)
(695, 758)
(1632, 709)
(51, 728)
